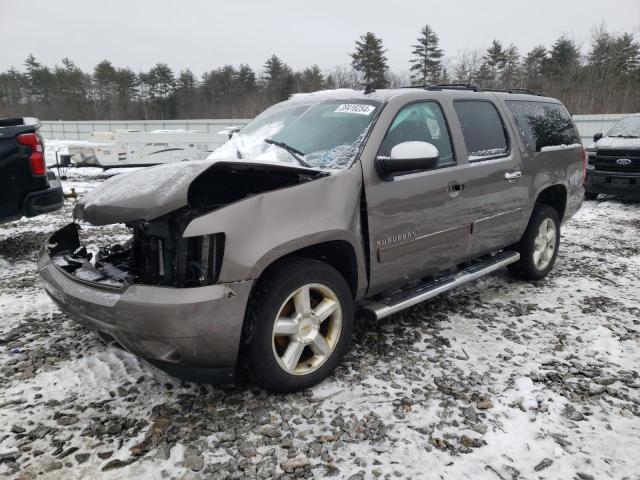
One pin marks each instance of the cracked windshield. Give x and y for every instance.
(324, 135)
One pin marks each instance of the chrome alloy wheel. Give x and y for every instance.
(544, 245)
(307, 329)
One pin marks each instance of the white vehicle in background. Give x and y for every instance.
(133, 148)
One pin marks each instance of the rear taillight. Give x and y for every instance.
(585, 159)
(36, 158)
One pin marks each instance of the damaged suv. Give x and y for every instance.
(259, 256)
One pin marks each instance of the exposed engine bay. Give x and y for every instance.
(157, 253)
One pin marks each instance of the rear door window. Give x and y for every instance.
(482, 128)
(543, 125)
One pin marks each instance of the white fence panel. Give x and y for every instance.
(80, 130)
(589, 125)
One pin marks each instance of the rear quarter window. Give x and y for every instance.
(544, 125)
(482, 129)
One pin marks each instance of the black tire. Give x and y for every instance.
(267, 298)
(526, 268)
(590, 196)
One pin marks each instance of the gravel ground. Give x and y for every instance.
(500, 380)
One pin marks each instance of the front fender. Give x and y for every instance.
(263, 228)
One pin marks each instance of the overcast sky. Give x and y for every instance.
(202, 35)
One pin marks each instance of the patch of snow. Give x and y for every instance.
(483, 154)
(552, 148)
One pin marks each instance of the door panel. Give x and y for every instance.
(496, 204)
(495, 187)
(416, 227)
(418, 223)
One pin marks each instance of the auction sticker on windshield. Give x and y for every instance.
(358, 108)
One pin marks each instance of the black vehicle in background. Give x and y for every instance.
(614, 160)
(26, 188)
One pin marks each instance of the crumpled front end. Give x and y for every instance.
(195, 324)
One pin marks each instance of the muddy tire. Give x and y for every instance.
(298, 325)
(538, 247)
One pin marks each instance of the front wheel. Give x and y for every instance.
(299, 325)
(538, 247)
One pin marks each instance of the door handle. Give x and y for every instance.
(455, 187)
(513, 174)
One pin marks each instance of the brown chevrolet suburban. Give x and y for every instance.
(325, 204)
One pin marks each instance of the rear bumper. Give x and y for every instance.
(43, 201)
(177, 329)
(617, 183)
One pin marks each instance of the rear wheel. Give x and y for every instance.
(538, 247)
(299, 325)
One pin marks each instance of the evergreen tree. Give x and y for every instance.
(126, 88)
(613, 55)
(246, 79)
(71, 88)
(510, 68)
(12, 90)
(563, 59)
(278, 78)
(311, 79)
(369, 60)
(426, 64)
(186, 93)
(494, 61)
(31, 63)
(103, 77)
(484, 75)
(37, 79)
(532, 65)
(104, 74)
(163, 80)
(274, 69)
(126, 83)
(628, 53)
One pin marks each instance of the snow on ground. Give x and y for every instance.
(501, 379)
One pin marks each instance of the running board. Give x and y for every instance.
(405, 299)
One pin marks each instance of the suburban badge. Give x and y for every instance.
(400, 238)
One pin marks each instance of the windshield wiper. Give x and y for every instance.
(294, 152)
(624, 136)
(235, 146)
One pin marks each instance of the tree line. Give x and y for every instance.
(605, 80)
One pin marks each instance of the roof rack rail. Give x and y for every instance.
(475, 88)
(515, 90)
(447, 86)
(454, 86)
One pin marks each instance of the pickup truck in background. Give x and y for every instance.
(614, 160)
(26, 188)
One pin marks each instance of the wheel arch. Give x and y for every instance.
(340, 254)
(554, 196)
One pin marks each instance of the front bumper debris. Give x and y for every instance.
(174, 328)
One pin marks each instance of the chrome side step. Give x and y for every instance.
(400, 301)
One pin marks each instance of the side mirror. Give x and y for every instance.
(409, 156)
(597, 137)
